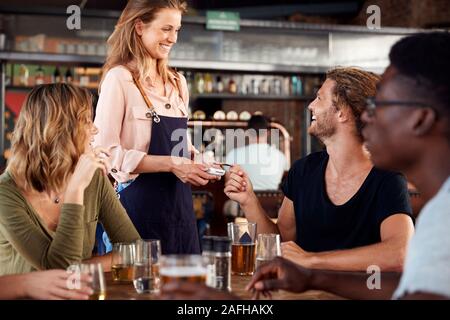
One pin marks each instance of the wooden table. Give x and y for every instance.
(126, 291)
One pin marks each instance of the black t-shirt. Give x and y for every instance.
(323, 226)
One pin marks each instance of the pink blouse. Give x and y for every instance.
(121, 118)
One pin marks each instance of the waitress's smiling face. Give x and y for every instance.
(159, 35)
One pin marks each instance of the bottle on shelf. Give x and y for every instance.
(219, 84)
(276, 86)
(56, 76)
(264, 86)
(296, 86)
(23, 75)
(68, 76)
(232, 87)
(39, 79)
(208, 83)
(299, 90)
(243, 86)
(84, 78)
(254, 87)
(189, 80)
(286, 86)
(199, 83)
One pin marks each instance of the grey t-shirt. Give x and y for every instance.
(427, 265)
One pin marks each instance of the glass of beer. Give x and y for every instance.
(243, 236)
(267, 248)
(123, 255)
(191, 268)
(95, 271)
(146, 266)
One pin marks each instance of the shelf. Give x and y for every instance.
(54, 58)
(19, 88)
(248, 96)
(28, 88)
(39, 58)
(253, 67)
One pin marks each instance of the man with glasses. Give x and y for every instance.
(407, 129)
(339, 211)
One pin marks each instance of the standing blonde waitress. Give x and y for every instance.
(142, 102)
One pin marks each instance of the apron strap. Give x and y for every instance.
(149, 104)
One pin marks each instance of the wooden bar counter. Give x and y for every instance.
(126, 291)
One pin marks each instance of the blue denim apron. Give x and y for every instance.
(159, 204)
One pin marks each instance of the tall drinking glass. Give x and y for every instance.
(123, 255)
(243, 236)
(267, 248)
(146, 266)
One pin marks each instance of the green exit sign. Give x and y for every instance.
(222, 20)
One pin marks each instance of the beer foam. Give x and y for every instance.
(180, 271)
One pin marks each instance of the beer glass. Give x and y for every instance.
(123, 255)
(268, 247)
(191, 268)
(146, 266)
(243, 236)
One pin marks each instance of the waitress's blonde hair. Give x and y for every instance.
(125, 45)
(50, 136)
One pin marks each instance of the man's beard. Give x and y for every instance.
(323, 128)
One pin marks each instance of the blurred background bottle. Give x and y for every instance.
(68, 76)
(199, 83)
(232, 87)
(189, 80)
(24, 74)
(39, 76)
(219, 84)
(208, 83)
(56, 76)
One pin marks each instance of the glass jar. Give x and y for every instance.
(222, 254)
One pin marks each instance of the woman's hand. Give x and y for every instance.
(280, 274)
(238, 186)
(190, 172)
(54, 284)
(85, 169)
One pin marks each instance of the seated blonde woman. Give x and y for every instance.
(54, 190)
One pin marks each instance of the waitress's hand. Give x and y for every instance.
(85, 169)
(190, 172)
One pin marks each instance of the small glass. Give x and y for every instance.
(123, 256)
(146, 266)
(243, 247)
(268, 247)
(95, 271)
(191, 268)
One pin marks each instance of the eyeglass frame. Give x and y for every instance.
(372, 104)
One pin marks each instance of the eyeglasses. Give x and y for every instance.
(372, 104)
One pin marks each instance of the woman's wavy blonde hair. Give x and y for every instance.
(50, 136)
(125, 45)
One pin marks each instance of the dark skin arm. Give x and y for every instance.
(281, 274)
